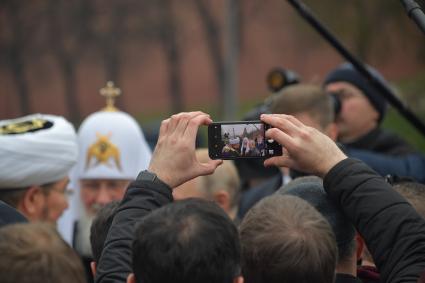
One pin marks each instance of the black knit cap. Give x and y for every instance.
(310, 189)
(347, 73)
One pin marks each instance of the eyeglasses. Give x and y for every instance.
(67, 192)
(344, 94)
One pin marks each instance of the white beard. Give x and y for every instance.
(82, 238)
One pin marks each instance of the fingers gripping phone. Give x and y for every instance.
(244, 139)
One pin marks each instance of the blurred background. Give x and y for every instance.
(169, 56)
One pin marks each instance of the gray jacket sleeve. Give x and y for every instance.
(392, 229)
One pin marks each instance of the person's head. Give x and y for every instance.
(235, 143)
(37, 152)
(308, 103)
(362, 106)
(35, 253)
(187, 241)
(252, 144)
(223, 186)
(311, 190)
(99, 230)
(113, 151)
(414, 193)
(284, 239)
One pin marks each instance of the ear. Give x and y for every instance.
(93, 268)
(238, 279)
(359, 246)
(32, 203)
(332, 131)
(131, 278)
(222, 198)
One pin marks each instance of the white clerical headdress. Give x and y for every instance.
(35, 150)
(111, 146)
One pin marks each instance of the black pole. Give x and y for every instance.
(415, 13)
(383, 89)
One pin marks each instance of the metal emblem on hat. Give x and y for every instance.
(110, 92)
(103, 151)
(25, 126)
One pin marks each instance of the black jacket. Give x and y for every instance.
(392, 229)
(141, 198)
(9, 215)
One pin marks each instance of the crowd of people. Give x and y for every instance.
(346, 204)
(245, 144)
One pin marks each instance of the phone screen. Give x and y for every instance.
(246, 139)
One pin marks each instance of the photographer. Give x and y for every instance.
(173, 163)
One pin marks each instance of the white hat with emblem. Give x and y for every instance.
(111, 144)
(36, 150)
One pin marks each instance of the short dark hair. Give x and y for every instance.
(188, 241)
(100, 227)
(284, 239)
(414, 193)
(35, 253)
(304, 98)
(310, 189)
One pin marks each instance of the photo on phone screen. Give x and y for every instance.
(232, 140)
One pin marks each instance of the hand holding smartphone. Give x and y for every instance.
(244, 139)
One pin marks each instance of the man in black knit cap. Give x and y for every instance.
(362, 111)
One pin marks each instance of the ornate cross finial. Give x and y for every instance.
(110, 92)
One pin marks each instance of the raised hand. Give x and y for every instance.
(307, 149)
(174, 160)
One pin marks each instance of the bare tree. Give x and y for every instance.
(69, 23)
(224, 60)
(168, 40)
(13, 46)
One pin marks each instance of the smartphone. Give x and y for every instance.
(244, 139)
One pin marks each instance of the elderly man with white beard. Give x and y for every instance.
(112, 151)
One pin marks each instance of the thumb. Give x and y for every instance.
(279, 161)
(209, 167)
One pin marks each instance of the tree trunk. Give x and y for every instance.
(173, 55)
(16, 60)
(212, 36)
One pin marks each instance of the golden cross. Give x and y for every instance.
(110, 92)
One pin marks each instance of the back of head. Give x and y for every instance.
(414, 193)
(284, 239)
(302, 98)
(187, 241)
(347, 73)
(311, 190)
(35, 253)
(225, 177)
(100, 227)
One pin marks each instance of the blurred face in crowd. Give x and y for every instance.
(95, 193)
(56, 200)
(357, 116)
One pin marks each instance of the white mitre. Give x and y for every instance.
(111, 146)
